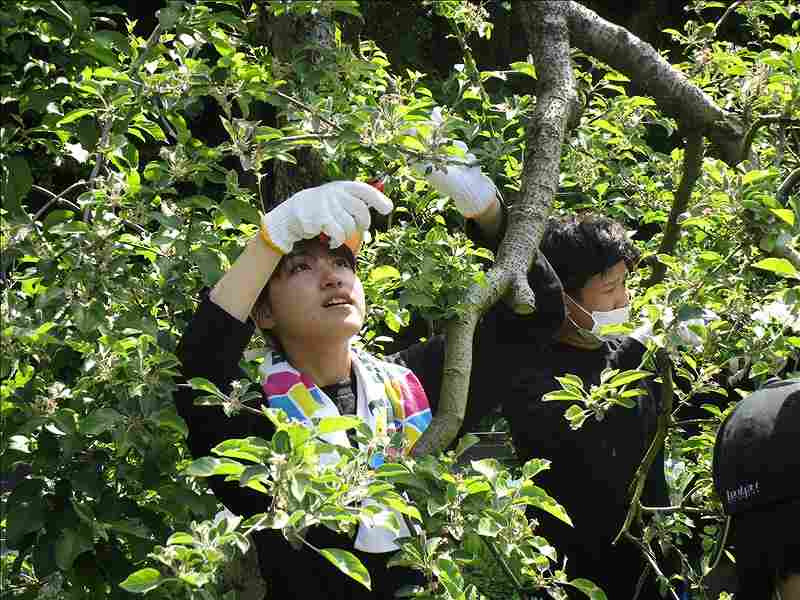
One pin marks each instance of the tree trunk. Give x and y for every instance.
(287, 35)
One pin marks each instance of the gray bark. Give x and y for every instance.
(286, 36)
(545, 24)
(675, 94)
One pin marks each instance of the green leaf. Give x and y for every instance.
(784, 214)
(208, 263)
(488, 467)
(755, 176)
(200, 383)
(55, 217)
(536, 496)
(627, 377)
(779, 266)
(525, 68)
(562, 395)
(142, 581)
(19, 443)
(465, 443)
(570, 380)
(15, 183)
(534, 466)
(606, 126)
(208, 466)
(69, 545)
(332, 424)
(75, 115)
(488, 527)
(28, 516)
(349, 7)
(383, 272)
(238, 211)
(99, 421)
(588, 588)
(180, 537)
(168, 418)
(348, 564)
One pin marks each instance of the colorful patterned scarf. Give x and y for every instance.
(390, 398)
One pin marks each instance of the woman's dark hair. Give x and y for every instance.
(582, 246)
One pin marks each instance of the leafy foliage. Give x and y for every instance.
(132, 170)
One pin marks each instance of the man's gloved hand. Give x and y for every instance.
(643, 333)
(338, 209)
(471, 190)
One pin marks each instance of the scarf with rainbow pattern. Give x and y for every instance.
(390, 398)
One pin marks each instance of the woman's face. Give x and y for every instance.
(315, 296)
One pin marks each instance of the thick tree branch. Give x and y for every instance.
(546, 27)
(675, 94)
(692, 165)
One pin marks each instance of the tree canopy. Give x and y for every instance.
(134, 165)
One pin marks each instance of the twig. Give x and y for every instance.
(640, 477)
(652, 561)
(307, 108)
(692, 165)
(726, 14)
(673, 509)
(691, 422)
(57, 197)
(720, 550)
(759, 123)
(642, 579)
(308, 136)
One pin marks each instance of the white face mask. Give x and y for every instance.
(604, 318)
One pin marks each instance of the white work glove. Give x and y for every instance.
(643, 333)
(339, 209)
(471, 190)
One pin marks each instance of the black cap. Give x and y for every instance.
(757, 476)
(757, 451)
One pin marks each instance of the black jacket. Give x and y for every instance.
(591, 467)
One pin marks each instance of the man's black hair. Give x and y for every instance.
(582, 246)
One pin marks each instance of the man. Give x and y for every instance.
(757, 477)
(304, 291)
(593, 466)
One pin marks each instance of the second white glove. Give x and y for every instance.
(339, 209)
(471, 190)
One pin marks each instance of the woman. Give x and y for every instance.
(297, 281)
